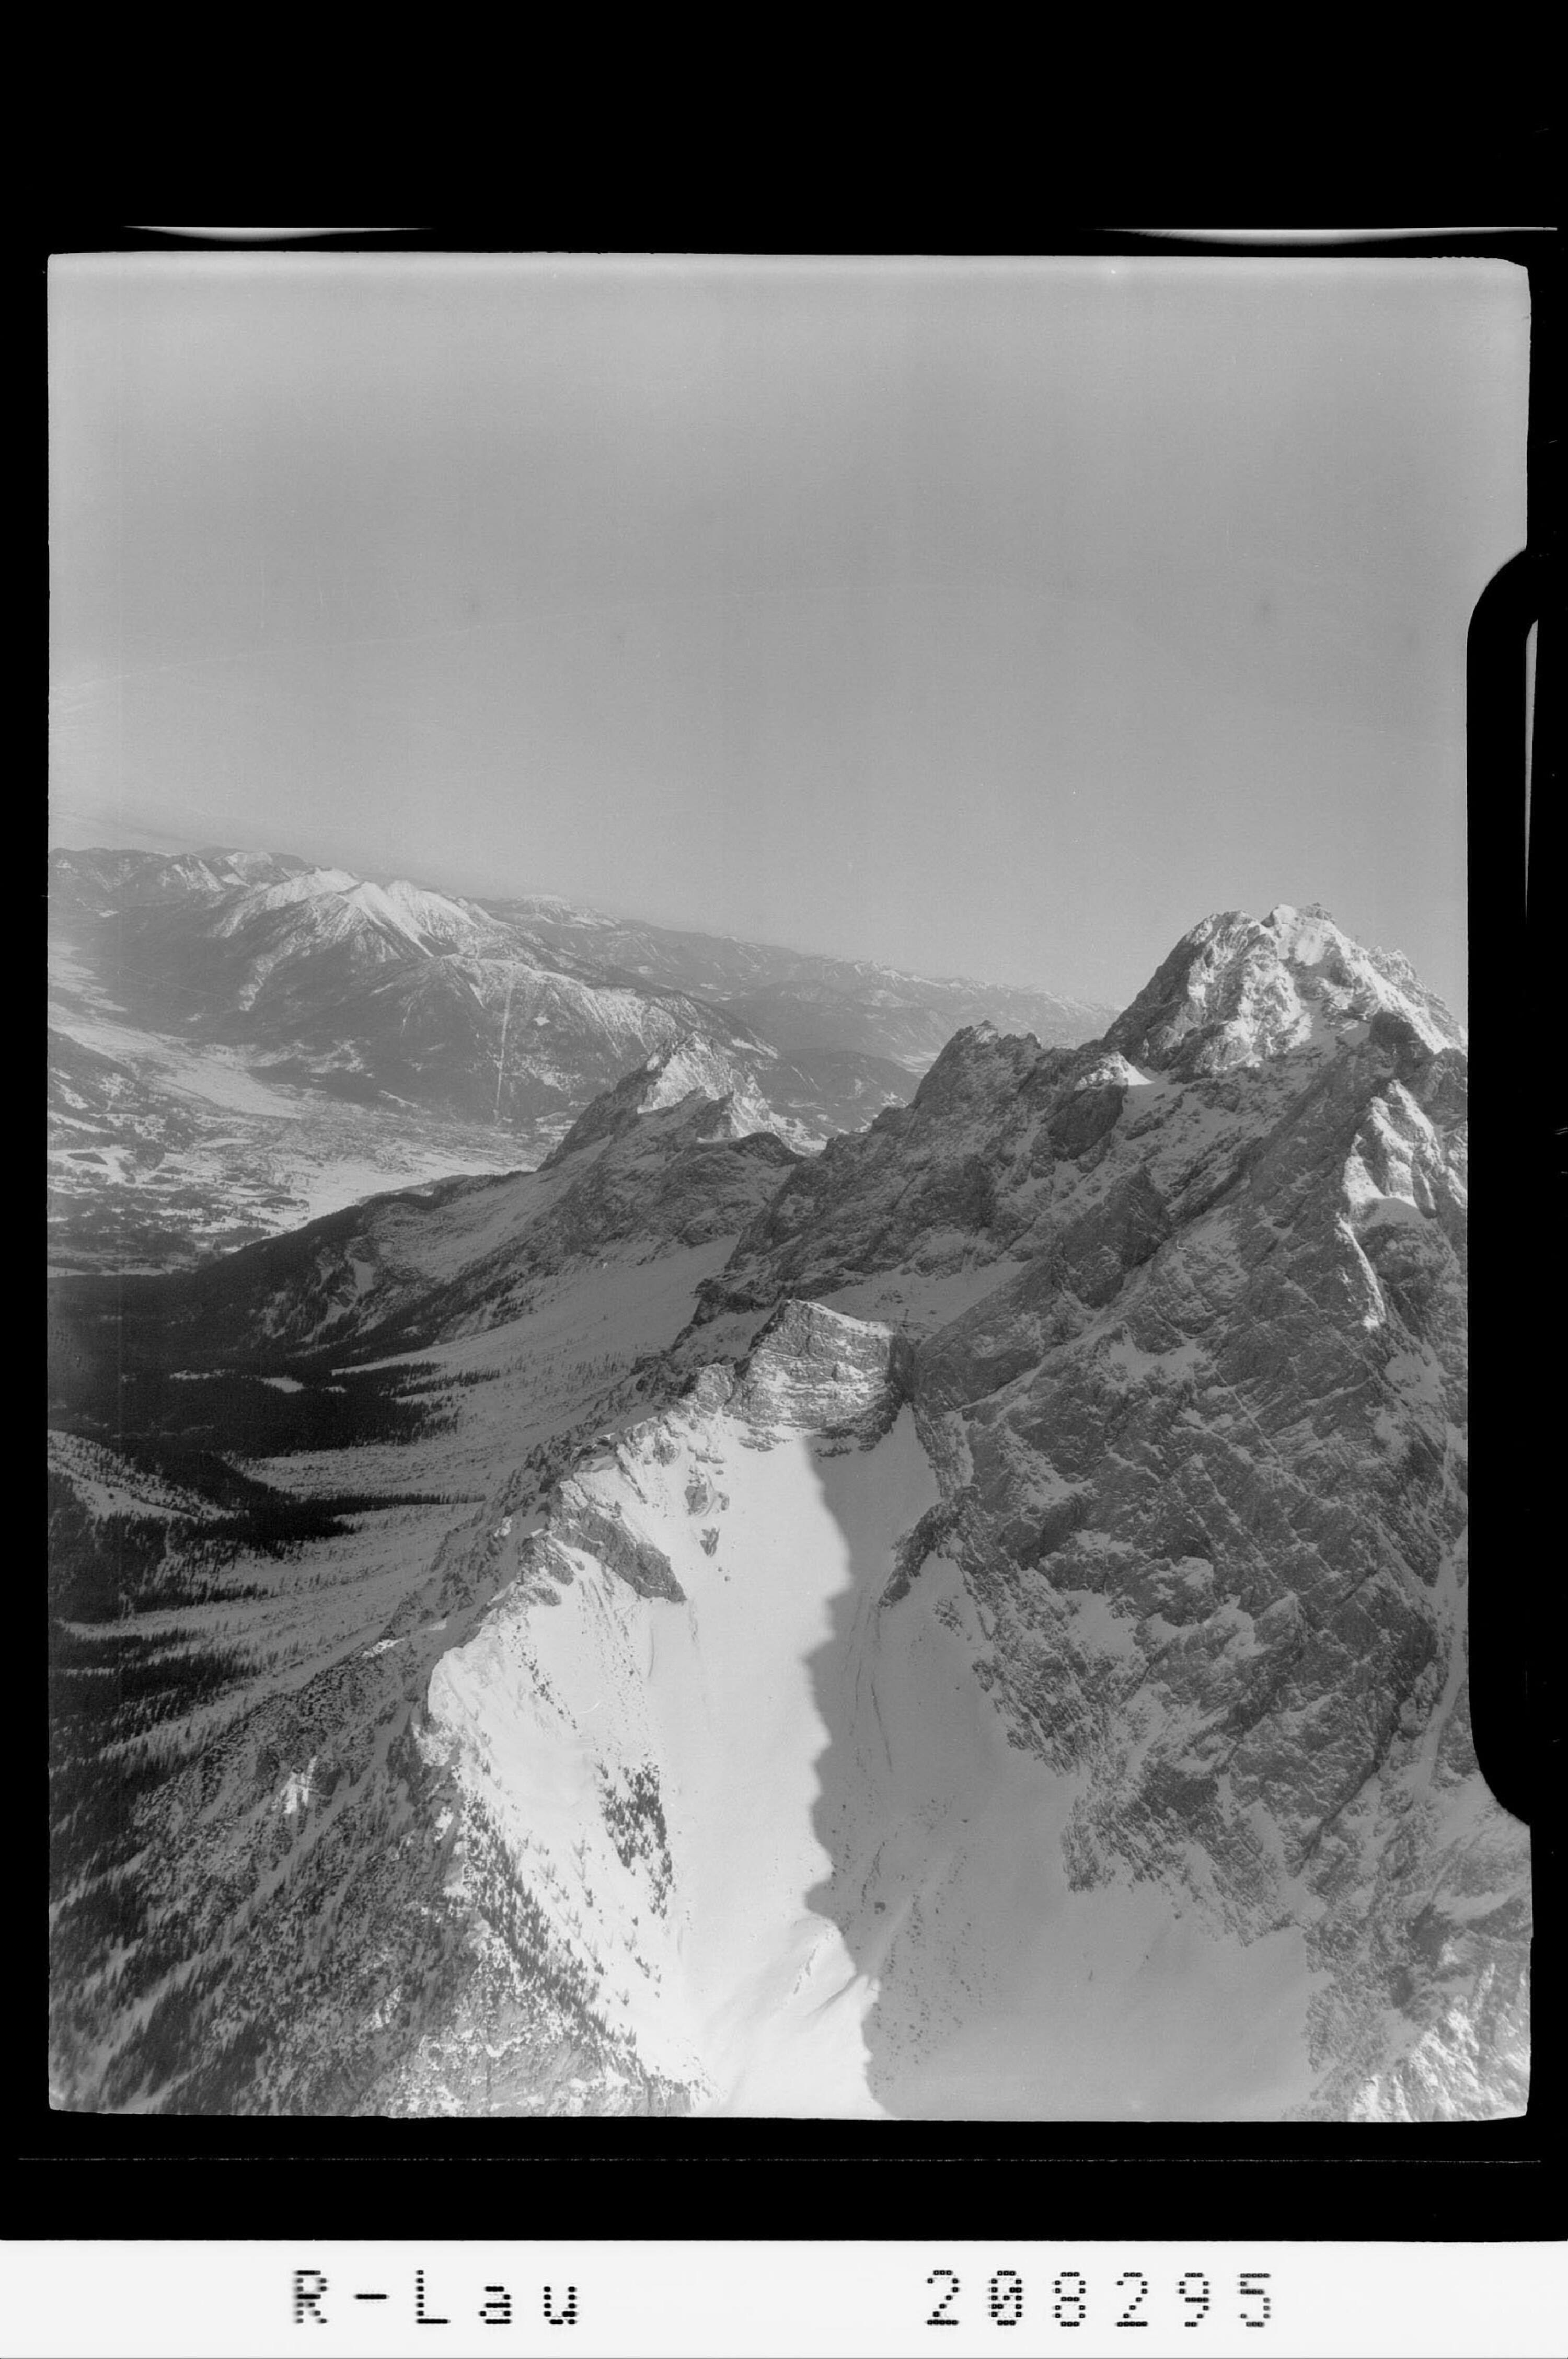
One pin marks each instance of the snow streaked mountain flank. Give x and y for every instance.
(969, 1623)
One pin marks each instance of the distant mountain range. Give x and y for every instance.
(239, 1039)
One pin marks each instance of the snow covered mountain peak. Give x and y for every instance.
(694, 1070)
(429, 918)
(331, 905)
(1237, 991)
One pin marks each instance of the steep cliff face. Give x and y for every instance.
(1205, 1464)
(1195, 1538)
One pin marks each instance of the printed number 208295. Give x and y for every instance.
(1069, 2304)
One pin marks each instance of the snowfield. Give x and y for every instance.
(732, 1977)
(779, 1821)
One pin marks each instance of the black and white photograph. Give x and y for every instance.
(757, 1314)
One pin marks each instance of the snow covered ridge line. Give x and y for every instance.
(691, 1070)
(1008, 1146)
(628, 1740)
(810, 1371)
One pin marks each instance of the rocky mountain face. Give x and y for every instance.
(1196, 1449)
(997, 1643)
(1008, 1147)
(298, 1019)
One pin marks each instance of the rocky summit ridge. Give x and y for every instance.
(718, 1093)
(1238, 989)
(1008, 1148)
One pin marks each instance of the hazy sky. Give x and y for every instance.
(1000, 619)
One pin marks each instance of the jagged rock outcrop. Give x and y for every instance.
(579, 1523)
(809, 1366)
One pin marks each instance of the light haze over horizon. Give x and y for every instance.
(1000, 619)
